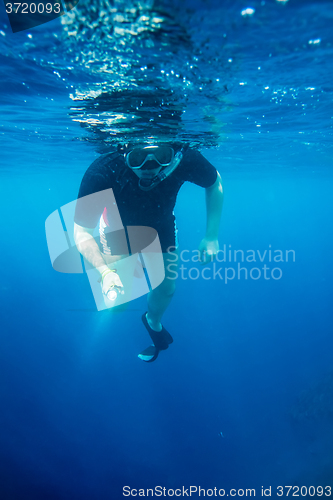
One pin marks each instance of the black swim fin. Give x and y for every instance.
(160, 339)
(149, 354)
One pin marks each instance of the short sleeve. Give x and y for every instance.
(91, 198)
(197, 169)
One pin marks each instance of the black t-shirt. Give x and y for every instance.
(137, 207)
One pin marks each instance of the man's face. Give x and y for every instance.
(147, 161)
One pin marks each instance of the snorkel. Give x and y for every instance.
(148, 184)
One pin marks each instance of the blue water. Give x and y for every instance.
(81, 416)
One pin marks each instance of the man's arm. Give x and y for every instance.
(214, 204)
(88, 247)
(209, 246)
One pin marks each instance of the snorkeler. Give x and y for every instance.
(145, 181)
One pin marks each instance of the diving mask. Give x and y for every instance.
(138, 157)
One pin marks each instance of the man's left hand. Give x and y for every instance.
(208, 250)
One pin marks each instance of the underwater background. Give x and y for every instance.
(250, 84)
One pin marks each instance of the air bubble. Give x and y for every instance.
(249, 11)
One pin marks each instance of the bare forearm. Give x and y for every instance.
(88, 247)
(90, 251)
(214, 204)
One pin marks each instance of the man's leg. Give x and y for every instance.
(160, 297)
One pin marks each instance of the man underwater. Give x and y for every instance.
(145, 180)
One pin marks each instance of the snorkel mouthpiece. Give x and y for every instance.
(148, 184)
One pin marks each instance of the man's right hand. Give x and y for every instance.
(112, 280)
